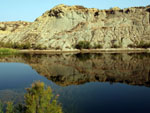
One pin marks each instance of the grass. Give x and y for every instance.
(25, 45)
(7, 51)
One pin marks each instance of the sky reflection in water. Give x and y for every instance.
(90, 97)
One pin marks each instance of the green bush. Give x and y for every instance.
(1, 107)
(6, 45)
(26, 45)
(143, 44)
(39, 47)
(131, 46)
(115, 46)
(83, 45)
(38, 99)
(10, 107)
(97, 46)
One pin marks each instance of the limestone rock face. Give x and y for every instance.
(64, 26)
(14, 26)
(7, 28)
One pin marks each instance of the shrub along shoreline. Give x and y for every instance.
(87, 45)
(82, 46)
(25, 45)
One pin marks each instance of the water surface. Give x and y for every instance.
(86, 83)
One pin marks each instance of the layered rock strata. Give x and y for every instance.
(63, 27)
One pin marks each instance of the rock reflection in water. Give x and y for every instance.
(75, 69)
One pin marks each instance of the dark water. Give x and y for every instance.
(86, 83)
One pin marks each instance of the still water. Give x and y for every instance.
(86, 83)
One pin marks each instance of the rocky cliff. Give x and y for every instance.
(64, 26)
(7, 28)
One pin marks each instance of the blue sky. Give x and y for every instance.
(29, 10)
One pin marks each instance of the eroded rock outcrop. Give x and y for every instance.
(12, 26)
(8, 28)
(64, 26)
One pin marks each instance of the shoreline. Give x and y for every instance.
(113, 50)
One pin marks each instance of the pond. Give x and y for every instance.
(86, 83)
